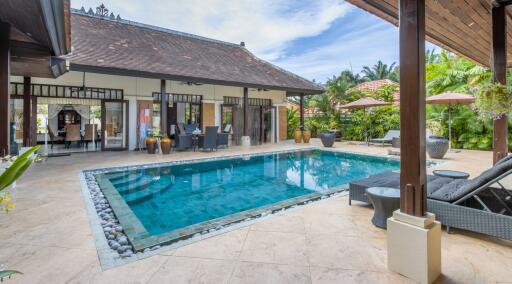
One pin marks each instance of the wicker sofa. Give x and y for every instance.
(480, 205)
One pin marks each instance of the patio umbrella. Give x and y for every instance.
(450, 98)
(365, 103)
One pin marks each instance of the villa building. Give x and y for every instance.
(117, 70)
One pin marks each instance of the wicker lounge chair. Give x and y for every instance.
(209, 139)
(388, 138)
(223, 137)
(480, 205)
(183, 141)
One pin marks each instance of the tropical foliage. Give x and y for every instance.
(493, 101)
(293, 121)
(12, 173)
(380, 71)
(471, 125)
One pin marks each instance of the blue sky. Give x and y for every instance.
(314, 39)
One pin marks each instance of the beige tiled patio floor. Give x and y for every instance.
(48, 236)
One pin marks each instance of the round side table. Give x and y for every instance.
(451, 174)
(385, 200)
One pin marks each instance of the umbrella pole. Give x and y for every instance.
(369, 132)
(450, 130)
(449, 127)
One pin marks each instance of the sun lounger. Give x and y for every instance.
(388, 138)
(481, 204)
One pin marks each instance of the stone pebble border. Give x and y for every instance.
(113, 246)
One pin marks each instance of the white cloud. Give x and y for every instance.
(354, 48)
(266, 26)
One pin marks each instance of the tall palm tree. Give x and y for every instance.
(380, 71)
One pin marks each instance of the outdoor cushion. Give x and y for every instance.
(189, 128)
(452, 191)
(434, 183)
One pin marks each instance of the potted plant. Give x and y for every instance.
(165, 144)
(327, 137)
(437, 145)
(306, 135)
(492, 101)
(298, 135)
(151, 144)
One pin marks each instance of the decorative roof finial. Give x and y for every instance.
(101, 10)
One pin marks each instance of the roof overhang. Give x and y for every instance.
(40, 33)
(462, 27)
(159, 76)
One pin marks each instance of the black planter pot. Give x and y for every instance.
(437, 146)
(327, 138)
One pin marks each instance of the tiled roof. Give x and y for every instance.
(308, 112)
(107, 45)
(374, 85)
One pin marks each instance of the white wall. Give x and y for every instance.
(136, 88)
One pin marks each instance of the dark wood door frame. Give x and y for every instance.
(5, 88)
(247, 131)
(164, 105)
(27, 112)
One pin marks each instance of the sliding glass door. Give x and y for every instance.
(114, 135)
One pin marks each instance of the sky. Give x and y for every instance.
(314, 39)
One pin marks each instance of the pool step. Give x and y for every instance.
(117, 179)
(116, 176)
(135, 186)
(134, 178)
(148, 193)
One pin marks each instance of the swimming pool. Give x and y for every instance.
(163, 203)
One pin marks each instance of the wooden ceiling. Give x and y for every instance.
(40, 32)
(461, 26)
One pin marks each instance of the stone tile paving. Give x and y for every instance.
(49, 238)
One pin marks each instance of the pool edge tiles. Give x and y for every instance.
(132, 226)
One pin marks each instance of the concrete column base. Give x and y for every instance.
(414, 246)
(246, 141)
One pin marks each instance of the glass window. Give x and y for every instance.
(227, 116)
(115, 128)
(195, 113)
(16, 123)
(192, 113)
(156, 118)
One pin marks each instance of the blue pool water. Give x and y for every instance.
(175, 196)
